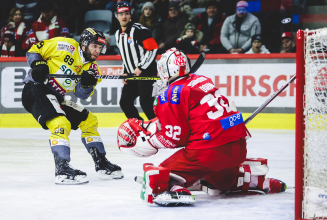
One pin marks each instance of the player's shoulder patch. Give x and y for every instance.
(175, 95)
(163, 97)
(66, 46)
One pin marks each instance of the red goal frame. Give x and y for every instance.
(299, 124)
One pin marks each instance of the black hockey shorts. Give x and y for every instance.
(45, 104)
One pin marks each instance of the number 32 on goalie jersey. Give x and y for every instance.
(219, 102)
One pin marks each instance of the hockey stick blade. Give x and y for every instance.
(269, 100)
(198, 63)
(103, 77)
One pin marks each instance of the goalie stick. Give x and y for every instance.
(269, 100)
(193, 69)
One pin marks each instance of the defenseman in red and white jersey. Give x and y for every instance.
(191, 113)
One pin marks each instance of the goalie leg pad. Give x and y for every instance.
(155, 181)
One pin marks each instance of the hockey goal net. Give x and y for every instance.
(311, 125)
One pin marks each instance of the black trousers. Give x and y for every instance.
(139, 88)
(44, 104)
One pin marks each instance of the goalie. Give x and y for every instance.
(191, 112)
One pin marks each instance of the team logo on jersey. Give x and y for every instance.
(206, 136)
(231, 121)
(95, 67)
(175, 96)
(78, 68)
(130, 40)
(155, 103)
(89, 139)
(54, 142)
(163, 97)
(66, 70)
(65, 46)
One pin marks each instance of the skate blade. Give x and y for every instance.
(114, 175)
(63, 180)
(168, 201)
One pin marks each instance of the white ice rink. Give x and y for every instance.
(27, 189)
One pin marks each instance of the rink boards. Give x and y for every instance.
(248, 80)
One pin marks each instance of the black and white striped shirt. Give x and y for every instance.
(137, 47)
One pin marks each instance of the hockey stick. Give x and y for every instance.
(193, 69)
(198, 63)
(269, 100)
(104, 77)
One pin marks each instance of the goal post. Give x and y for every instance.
(311, 125)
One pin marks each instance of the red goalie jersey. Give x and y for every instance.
(194, 114)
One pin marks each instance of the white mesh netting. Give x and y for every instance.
(315, 116)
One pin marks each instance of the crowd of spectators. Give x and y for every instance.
(210, 26)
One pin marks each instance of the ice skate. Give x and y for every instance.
(103, 167)
(276, 186)
(66, 174)
(169, 199)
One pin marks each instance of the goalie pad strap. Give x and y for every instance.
(246, 178)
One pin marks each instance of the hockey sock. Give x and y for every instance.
(90, 135)
(60, 129)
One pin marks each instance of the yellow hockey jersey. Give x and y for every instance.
(64, 56)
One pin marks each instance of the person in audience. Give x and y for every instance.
(238, 29)
(171, 28)
(288, 43)
(47, 26)
(137, 8)
(161, 8)
(15, 24)
(67, 10)
(30, 9)
(149, 19)
(257, 45)
(210, 23)
(186, 9)
(190, 40)
(10, 47)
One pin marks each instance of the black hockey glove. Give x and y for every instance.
(88, 78)
(40, 70)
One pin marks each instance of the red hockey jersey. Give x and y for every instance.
(194, 114)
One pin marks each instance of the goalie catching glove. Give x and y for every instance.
(133, 137)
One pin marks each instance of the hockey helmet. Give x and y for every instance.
(92, 35)
(173, 63)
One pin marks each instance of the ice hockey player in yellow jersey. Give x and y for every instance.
(44, 98)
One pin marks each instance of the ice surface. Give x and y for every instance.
(27, 189)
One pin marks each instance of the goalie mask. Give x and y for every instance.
(172, 64)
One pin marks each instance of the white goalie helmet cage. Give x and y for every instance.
(173, 63)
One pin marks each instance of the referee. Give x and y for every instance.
(138, 50)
